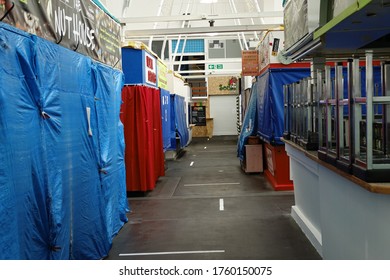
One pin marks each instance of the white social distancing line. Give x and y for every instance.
(210, 184)
(171, 253)
(221, 205)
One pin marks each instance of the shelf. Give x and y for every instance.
(363, 25)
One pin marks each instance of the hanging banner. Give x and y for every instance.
(77, 25)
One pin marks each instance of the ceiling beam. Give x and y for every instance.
(132, 20)
(201, 30)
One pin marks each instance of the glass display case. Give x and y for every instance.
(371, 125)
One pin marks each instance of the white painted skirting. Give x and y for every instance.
(311, 232)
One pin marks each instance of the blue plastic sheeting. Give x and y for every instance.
(249, 124)
(166, 118)
(62, 174)
(181, 120)
(270, 101)
(178, 122)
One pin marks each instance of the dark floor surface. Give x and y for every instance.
(183, 218)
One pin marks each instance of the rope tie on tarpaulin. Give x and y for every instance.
(45, 115)
(7, 12)
(104, 171)
(77, 46)
(59, 41)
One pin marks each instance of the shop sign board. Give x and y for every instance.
(150, 69)
(250, 63)
(81, 26)
(162, 72)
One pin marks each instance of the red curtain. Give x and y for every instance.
(141, 118)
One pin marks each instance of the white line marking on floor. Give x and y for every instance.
(210, 184)
(171, 253)
(221, 206)
(192, 163)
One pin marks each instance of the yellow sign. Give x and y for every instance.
(162, 72)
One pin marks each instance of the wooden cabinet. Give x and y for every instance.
(253, 161)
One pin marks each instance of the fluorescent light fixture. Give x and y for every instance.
(208, 1)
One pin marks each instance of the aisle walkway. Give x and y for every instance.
(207, 208)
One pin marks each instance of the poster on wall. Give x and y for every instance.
(77, 25)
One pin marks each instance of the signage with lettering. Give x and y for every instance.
(78, 25)
(215, 66)
(250, 63)
(150, 69)
(162, 72)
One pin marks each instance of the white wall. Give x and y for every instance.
(223, 111)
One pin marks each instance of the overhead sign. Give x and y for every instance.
(77, 25)
(162, 72)
(250, 63)
(215, 66)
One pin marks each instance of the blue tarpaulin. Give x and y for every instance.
(270, 101)
(249, 124)
(178, 122)
(166, 118)
(62, 174)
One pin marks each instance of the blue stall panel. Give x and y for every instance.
(166, 118)
(62, 182)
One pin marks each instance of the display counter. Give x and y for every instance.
(204, 131)
(343, 216)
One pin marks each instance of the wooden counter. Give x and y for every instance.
(383, 188)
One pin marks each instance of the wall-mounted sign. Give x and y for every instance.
(78, 25)
(221, 85)
(215, 66)
(231, 84)
(250, 63)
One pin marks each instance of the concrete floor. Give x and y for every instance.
(207, 208)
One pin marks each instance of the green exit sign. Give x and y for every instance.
(215, 66)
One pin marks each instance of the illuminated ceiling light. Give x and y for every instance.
(208, 1)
